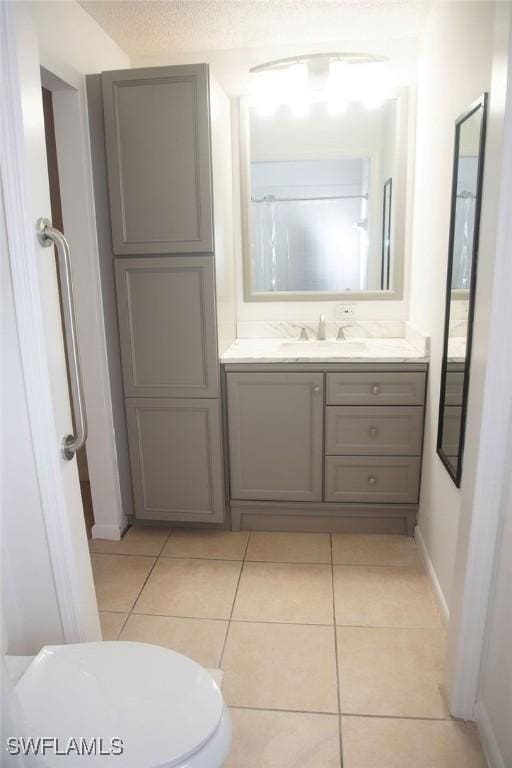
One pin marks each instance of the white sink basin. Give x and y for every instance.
(330, 347)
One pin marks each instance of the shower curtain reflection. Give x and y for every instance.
(309, 236)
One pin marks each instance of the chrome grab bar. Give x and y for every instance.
(47, 236)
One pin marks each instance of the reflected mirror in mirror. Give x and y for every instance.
(320, 216)
(461, 283)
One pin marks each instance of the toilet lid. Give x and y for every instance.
(162, 705)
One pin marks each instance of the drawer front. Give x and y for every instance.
(454, 387)
(366, 388)
(384, 480)
(374, 430)
(452, 419)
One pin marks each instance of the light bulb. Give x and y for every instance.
(337, 87)
(373, 85)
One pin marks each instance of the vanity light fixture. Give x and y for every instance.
(330, 78)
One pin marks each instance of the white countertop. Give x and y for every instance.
(286, 350)
(457, 349)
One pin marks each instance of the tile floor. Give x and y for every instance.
(331, 645)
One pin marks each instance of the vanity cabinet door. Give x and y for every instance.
(176, 459)
(275, 435)
(167, 326)
(157, 138)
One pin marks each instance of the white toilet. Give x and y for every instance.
(167, 710)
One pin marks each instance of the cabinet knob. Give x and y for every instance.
(373, 431)
(372, 479)
(375, 389)
(316, 389)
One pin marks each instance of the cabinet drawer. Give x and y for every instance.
(385, 480)
(374, 430)
(454, 387)
(367, 388)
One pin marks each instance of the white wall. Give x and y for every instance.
(454, 69)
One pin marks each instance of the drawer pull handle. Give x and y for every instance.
(375, 389)
(373, 431)
(316, 389)
(372, 480)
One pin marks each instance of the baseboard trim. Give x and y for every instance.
(489, 744)
(438, 592)
(112, 532)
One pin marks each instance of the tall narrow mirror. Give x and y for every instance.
(461, 284)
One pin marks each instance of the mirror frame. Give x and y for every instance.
(456, 473)
(401, 214)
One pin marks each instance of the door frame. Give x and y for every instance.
(68, 89)
(476, 556)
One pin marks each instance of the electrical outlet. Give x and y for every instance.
(341, 311)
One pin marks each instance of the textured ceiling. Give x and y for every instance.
(152, 27)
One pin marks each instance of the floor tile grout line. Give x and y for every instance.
(142, 587)
(336, 660)
(339, 715)
(327, 713)
(221, 658)
(268, 562)
(279, 623)
(123, 625)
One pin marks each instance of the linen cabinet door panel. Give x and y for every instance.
(275, 435)
(157, 137)
(176, 459)
(166, 308)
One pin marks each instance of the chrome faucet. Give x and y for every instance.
(341, 332)
(321, 335)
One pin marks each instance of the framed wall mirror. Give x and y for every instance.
(317, 203)
(466, 199)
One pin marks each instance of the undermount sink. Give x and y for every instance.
(328, 346)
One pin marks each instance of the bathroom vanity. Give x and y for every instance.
(324, 435)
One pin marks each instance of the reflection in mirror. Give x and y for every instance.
(386, 235)
(321, 214)
(461, 282)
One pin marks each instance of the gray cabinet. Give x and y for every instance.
(370, 457)
(157, 137)
(376, 388)
(166, 309)
(176, 459)
(373, 430)
(390, 479)
(275, 435)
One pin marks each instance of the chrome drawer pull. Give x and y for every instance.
(373, 431)
(316, 389)
(375, 389)
(372, 480)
